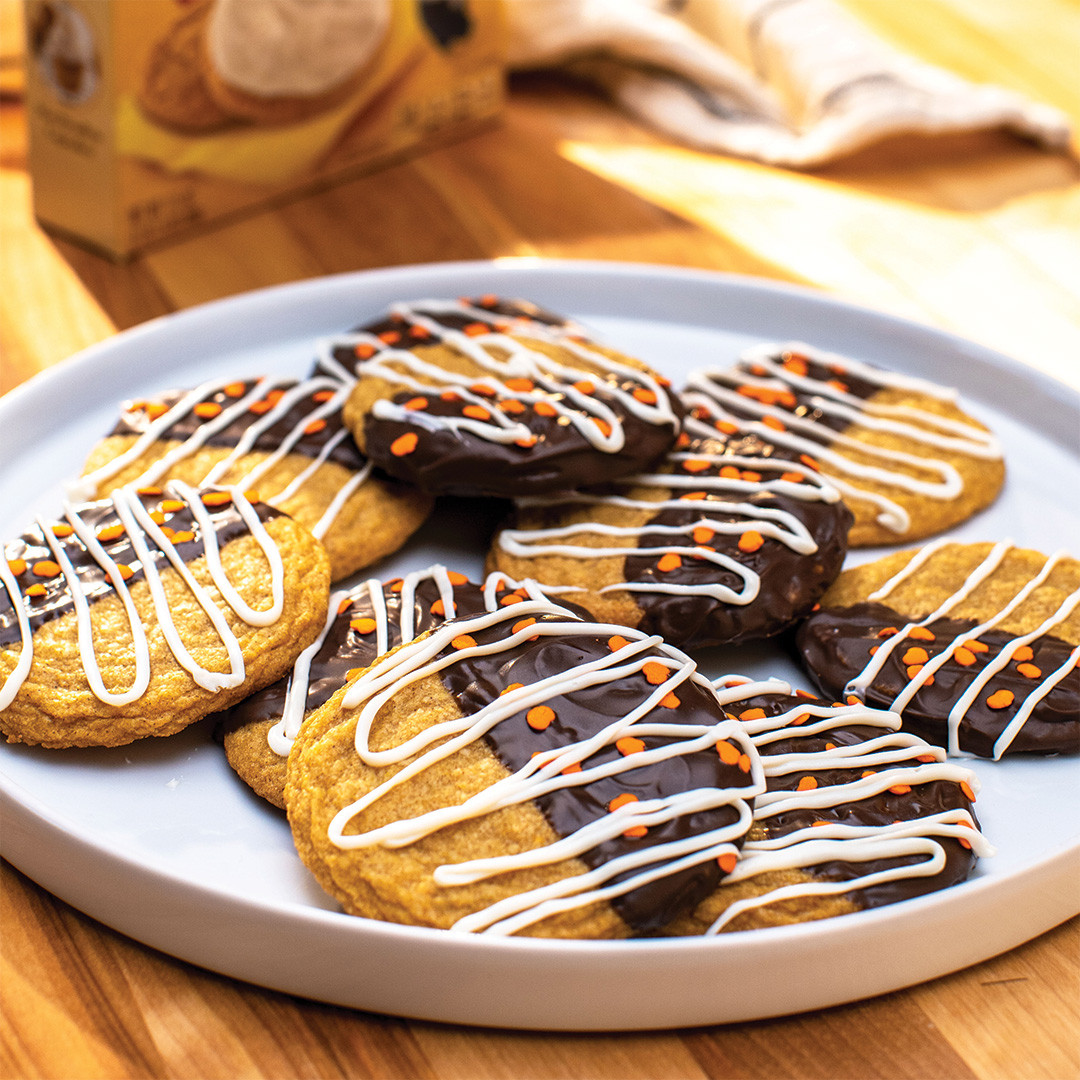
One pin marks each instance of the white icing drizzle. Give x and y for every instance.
(770, 522)
(292, 393)
(282, 734)
(140, 529)
(546, 770)
(812, 845)
(715, 392)
(504, 357)
(980, 573)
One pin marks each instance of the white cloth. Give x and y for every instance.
(788, 82)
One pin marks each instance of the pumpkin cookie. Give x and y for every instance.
(363, 623)
(907, 460)
(857, 814)
(140, 614)
(282, 437)
(496, 397)
(975, 645)
(523, 771)
(720, 545)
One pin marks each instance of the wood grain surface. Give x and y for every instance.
(978, 234)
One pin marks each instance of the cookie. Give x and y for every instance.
(496, 397)
(523, 771)
(140, 614)
(716, 547)
(857, 814)
(976, 646)
(174, 92)
(285, 61)
(364, 622)
(907, 460)
(282, 437)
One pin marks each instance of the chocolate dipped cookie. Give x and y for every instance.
(906, 458)
(856, 814)
(363, 622)
(139, 614)
(523, 771)
(279, 436)
(717, 546)
(497, 397)
(976, 646)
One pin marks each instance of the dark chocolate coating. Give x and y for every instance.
(95, 584)
(791, 582)
(835, 646)
(462, 463)
(921, 801)
(475, 681)
(135, 421)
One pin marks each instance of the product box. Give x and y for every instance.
(151, 118)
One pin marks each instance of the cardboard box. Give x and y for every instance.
(151, 118)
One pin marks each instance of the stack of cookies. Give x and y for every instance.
(537, 752)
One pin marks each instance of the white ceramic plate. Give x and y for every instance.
(160, 841)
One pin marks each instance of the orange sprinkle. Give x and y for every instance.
(617, 642)
(915, 655)
(275, 396)
(520, 386)
(167, 532)
(512, 405)
(729, 753)
(752, 714)
(913, 671)
(772, 422)
(17, 566)
(110, 532)
(669, 562)
(702, 534)
(809, 462)
(476, 412)
(413, 404)
(727, 861)
(965, 787)
(207, 410)
(726, 427)
(155, 410)
(751, 477)
(655, 672)
(450, 395)
(260, 407)
(344, 606)
(645, 395)
(363, 625)
(483, 390)
(900, 789)
(621, 800)
(583, 386)
(729, 472)
(695, 465)
(921, 633)
(604, 426)
(527, 442)
(315, 427)
(322, 396)
(539, 717)
(888, 631)
(125, 570)
(693, 496)
(1022, 654)
(512, 686)
(405, 444)
(438, 608)
(235, 389)
(475, 329)
(576, 767)
(390, 337)
(751, 541)
(869, 772)
(792, 477)
(1000, 699)
(544, 408)
(62, 531)
(522, 624)
(35, 590)
(157, 517)
(46, 568)
(964, 656)
(807, 783)
(463, 641)
(635, 831)
(926, 759)
(510, 598)
(629, 745)
(1029, 671)
(364, 350)
(796, 364)
(183, 537)
(217, 498)
(670, 701)
(744, 763)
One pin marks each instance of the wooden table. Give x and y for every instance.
(979, 235)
